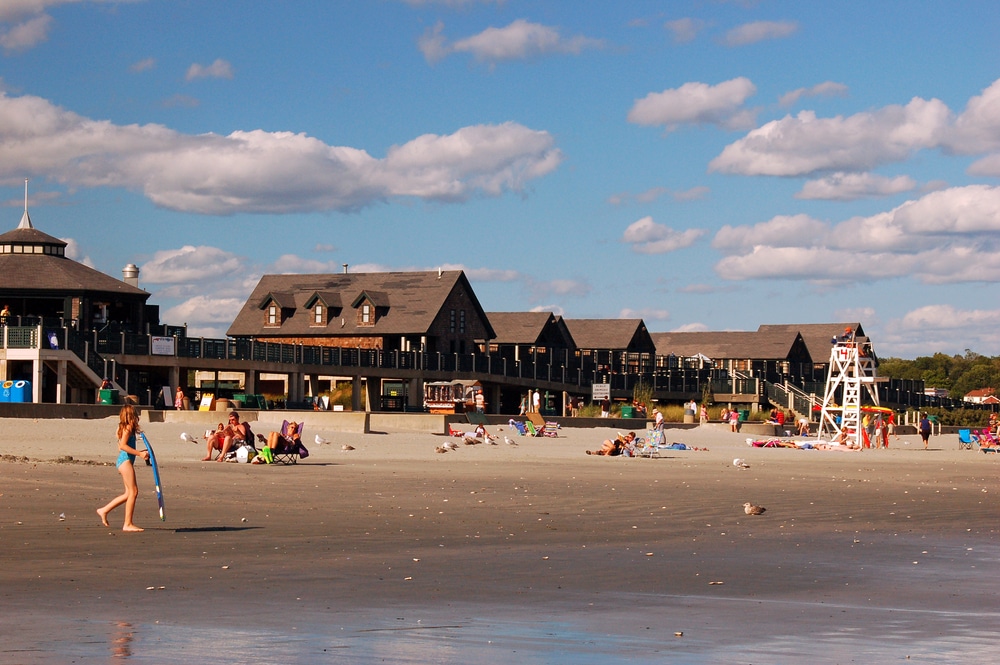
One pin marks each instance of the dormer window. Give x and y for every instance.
(366, 314)
(271, 318)
(318, 319)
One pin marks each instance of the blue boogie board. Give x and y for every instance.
(156, 475)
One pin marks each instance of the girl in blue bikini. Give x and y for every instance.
(128, 427)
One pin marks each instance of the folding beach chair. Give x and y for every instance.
(290, 454)
(966, 439)
(650, 446)
(550, 429)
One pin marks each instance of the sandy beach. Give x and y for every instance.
(529, 553)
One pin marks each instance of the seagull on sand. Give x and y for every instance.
(471, 441)
(509, 441)
(440, 449)
(751, 509)
(346, 447)
(187, 437)
(320, 440)
(450, 445)
(738, 462)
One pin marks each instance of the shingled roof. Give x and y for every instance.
(33, 263)
(610, 334)
(412, 299)
(527, 328)
(817, 336)
(726, 345)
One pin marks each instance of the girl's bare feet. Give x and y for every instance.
(132, 528)
(104, 517)
(206, 459)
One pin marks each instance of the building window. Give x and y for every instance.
(452, 322)
(272, 315)
(318, 314)
(461, 322)
(366, 314)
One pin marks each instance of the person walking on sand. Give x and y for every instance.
(925, 429)
(128, 427)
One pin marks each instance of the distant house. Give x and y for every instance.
(429, 311)
(981, 396)
(772, 355)
(609, 346)
(530, 336)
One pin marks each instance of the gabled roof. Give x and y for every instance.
(727, 345)
(609, 333)
(528, 328)
(329, 298)
(377, 298)
(417, 297)
(817, 336)
(284, 300)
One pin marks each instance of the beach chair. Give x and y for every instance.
(966, 439)
(518, 425)
(988, 443)
(530, 426)
(550, 429)
(650, 446)
(289, 454)
(454, 432)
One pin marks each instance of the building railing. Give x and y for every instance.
(621, 371)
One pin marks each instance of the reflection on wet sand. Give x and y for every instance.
(121, 642)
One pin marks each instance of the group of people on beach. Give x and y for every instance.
(224, 439)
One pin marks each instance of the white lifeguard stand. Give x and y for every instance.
(852, 378)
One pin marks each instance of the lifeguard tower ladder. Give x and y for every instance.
(852, 378)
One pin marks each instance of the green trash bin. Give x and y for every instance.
(744, 415)
(108, 396)
(628, 412)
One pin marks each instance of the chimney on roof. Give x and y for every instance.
(130, 275)
(439, 273)
(345, 267)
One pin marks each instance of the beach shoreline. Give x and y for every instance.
(372, 545)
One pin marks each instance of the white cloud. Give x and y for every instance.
(190, 264)
(780, 231)
(264, 172)
(648, 237)
(11, 10)
(74, 252)
(654, 193)
(948, 236)
(691, 327)
(646, 314)
(851, 186)
(697, 103)
(204, 315)
(758, 31)
(518, 41)
(540, 289)
(803, 144)
(142, 65)
(942, 327)
(684, 30)
(825, 89)
(220, 69)
(24, 35)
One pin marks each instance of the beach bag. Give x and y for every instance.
(267, 455)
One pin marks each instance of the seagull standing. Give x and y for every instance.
(451, 445)
(320, 440)
(751, 509)
(187, 437)
(509, 441)
(738, 462)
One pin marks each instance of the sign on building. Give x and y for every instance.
(600, 391)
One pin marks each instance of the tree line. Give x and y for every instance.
(958, 374)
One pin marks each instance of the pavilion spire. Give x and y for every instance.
(25, 219)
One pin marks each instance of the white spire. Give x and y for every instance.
(25, 220)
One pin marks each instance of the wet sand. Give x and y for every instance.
(540, 553)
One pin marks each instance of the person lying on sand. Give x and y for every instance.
(615, 447)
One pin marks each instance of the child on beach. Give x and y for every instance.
(128, 427)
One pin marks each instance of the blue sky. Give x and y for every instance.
(702, 165)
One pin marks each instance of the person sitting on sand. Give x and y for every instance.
(223, 440)
(615, 447)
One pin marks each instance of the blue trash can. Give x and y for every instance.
(21, 391)
(5, 391)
